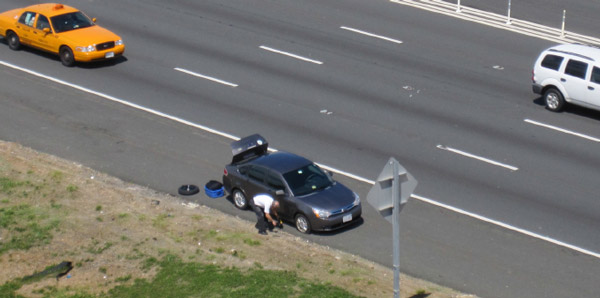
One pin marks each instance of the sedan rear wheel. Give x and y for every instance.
(66, 56)
(14, 43)
(239, 199)
(302, 224)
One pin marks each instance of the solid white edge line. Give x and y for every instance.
(349, 175)
(507, 226)
(290, 55)
(463, 153)
(123, 102)
(370, 34)
(232, 137)
(205, 77)
(562, 130)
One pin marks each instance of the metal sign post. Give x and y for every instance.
(389, 194)
(396, 228)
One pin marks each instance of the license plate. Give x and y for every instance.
(109, 55)
(347, 218)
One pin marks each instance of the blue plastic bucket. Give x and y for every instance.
(214, 189)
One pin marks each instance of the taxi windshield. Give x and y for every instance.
(70, 21)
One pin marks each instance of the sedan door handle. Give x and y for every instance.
(562, 80)
(590, 88)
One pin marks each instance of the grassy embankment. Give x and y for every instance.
(125, 240)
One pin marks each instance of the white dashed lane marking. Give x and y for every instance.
(205, 77)
(290, 55)
(232, 137)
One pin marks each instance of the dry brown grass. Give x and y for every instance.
(110, 227)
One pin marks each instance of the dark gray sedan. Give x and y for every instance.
(308, 196)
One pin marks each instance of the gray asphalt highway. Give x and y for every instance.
(354, 101)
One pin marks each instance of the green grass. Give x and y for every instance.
(97, 249)
(57, 176)
(28, 226)
(123, 278)
(72, 188)
(161, 221)
(8, 289)
(179, 279)
(31, 225)
(176, 278)
(251, 242)
(7, 185)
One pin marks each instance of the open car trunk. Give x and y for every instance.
(248, 147)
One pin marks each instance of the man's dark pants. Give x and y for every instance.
(261, 222)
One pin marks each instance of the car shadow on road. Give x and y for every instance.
(103, 63)
(357, 223)
(352, 226)
(573, 109)
(88, 65)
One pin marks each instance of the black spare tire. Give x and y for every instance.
(188, 190)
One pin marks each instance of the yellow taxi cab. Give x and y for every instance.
(62, 30)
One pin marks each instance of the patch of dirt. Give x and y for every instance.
(109, 228)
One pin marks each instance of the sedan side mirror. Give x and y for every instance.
(279, 192)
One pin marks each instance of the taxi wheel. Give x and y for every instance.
(302, 224)
(13, 41)
(239, 199)
(66, 56)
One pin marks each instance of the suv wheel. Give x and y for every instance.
(239, 199)
(554, 100)
(302, 224)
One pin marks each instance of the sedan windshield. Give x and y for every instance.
(70, 21)
(307, 179)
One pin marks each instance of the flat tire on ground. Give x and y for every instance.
(188, 190)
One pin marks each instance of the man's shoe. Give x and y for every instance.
(263, 232)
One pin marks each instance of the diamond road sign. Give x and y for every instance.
(389, 194)
(380, 195)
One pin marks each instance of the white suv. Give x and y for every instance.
(568, 73)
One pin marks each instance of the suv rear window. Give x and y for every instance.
(552, 62)
(595, 75)
(576, 68)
